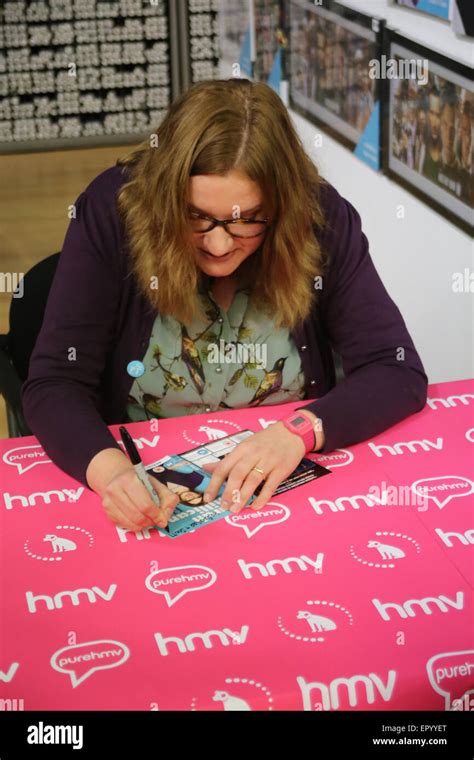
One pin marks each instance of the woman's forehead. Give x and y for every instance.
(220, 194)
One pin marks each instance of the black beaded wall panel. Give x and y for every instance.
(203, 39)
(75, 72)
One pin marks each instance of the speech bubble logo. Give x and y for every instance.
(79, 661)
(26, 457)
(253, 521)
(443, 488)
(451, 672)
(337, 458)
(174, 585)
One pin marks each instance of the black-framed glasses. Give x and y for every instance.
(245, 228)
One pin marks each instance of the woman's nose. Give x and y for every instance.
(217, 241)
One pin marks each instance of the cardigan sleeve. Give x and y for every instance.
(384, 378)
(61, 395)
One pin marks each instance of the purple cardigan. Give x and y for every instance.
(94, 307)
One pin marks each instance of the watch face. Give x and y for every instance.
(299, 420)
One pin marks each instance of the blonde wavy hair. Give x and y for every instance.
(213, 128)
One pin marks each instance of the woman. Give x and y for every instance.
(183, 479)
(218, 229)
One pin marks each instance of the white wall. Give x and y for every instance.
(431, 31)
(415, 256)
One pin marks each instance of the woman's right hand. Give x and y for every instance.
(128, 504)
(125, 499)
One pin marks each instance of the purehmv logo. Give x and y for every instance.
(46, 734)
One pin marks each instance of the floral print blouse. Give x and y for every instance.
(228, 360)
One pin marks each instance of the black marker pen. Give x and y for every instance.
(137, 463)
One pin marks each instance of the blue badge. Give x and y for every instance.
(136, 368)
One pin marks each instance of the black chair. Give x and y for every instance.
(26, 317)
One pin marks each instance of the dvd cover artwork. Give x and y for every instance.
(183, 475)
(189, 482)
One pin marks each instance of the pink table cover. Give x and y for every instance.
(352, 592)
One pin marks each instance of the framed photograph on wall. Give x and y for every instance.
(430, 127)
(462, 17)
(270, 44)
(331, 48)
(439, 8)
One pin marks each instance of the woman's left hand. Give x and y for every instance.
(275, 450)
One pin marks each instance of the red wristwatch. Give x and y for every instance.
(301, 425)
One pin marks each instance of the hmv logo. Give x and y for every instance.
(138, 535)
(208, 639)
(287, 565)
(12, 705)
(411, 606)
(7, 677)
(354, 689)
(450, 402)
(412, 447)
(447, 537)
(45, 497)
(56, 601)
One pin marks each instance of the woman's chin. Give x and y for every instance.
(218, 268)
(219, 271)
